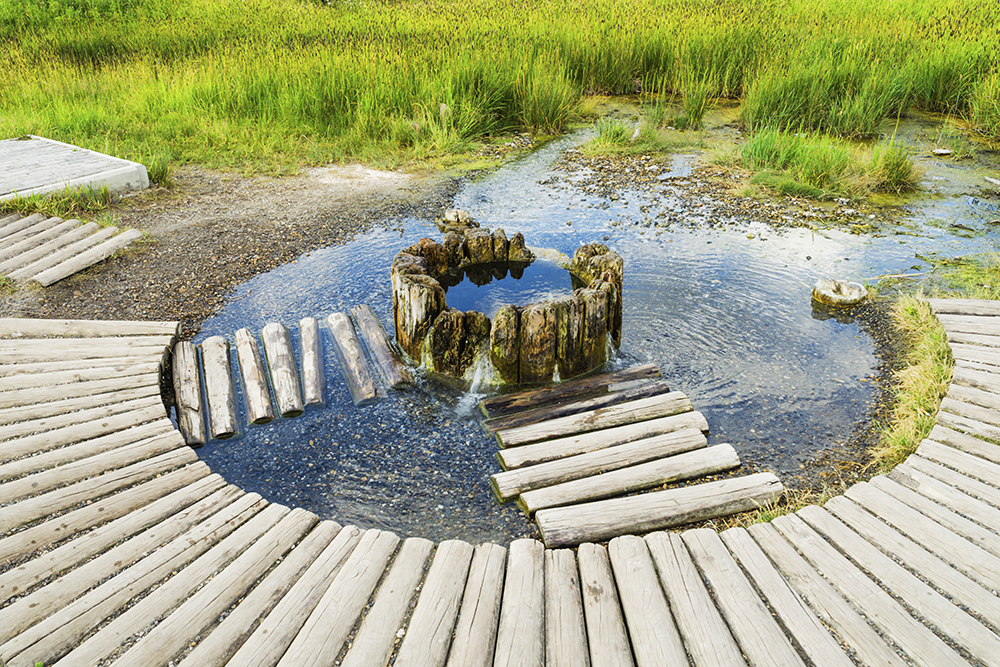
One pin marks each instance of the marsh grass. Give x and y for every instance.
(67, 203)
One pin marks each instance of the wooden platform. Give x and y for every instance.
(35, 165)
(119, 547)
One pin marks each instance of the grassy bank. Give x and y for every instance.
(277, 84)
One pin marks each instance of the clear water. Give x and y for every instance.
(725, 313)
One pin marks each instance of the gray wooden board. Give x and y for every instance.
(938, 611)
(55, 408)
(920, 644)
(91, 373)
(550, 450)
(282, 369)
(255, 390)
(761, 639)
(48, 248)
(977, 379)
(946, 495)
(604, 519)
(476, 630)
(602, 611)
(28, 271)
(394, 372)
(73, 328)
(278, 629)
(639, 410)
(655, 640)
(520, 635)
(87, 258)
(982, 453)
(633, 478)
(821, 596)
(428, 635)
(22, 397)
(969, 558)
(313, 379)
(219, 393)
(37, 162)
(977, 353)
(82, 345)
(969, 425)
(969, 485)
(374, 642)
(196, 613)
(206, 499)
(32, 241)
(352, 359)
(33, 230)
(10, 370)
(811, 635)
(325, 631)
(175, 590)
(68, 525)
(32, 426)
(510, 483)
(918, 559)
(973, 339)
(971, 324)
(965, 306)
(708, 640)
(523, 418)
(569, 390)
(987, 399)
(228, 635)
(565, 628)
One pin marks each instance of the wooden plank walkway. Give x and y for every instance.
(119, 547)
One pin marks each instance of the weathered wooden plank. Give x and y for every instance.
(10, 326)
(945, 494)
(9, 218)
(655, 640)
(187, 394)
(550, 450)
(219, 393)
(976, 379)
(325, 631)
(255, 390)
(352, 359)
(33, 241)
(282, 368)
(428, 636)
(120, 344)
(226, 638)
(200, 610)
(643, 409)
(520, 635)
(976, 353)
(68, 348)
(763, 642)
(34, 230)
(984, 455)
(394, 372)
(922, 646)
(566, 391)
(832, 609)
(565, 628)
(606, 635)
(86, 258)
(479, 615)
(959, 587)
(812, 637)
(634, 478)
(91, 373)
(705, 634)
(965, 306)
(971, 324)
(9, 399)
(53, 531)
(951, 419)
(967, 557)
(949, 620)
(278, 629)
(970, 485)
(510, 483)
(24, 428)
(973, 339)
(603, 519)
(17, 514)
(11, 371)
(206, 499)
(16, 226)
(20, 579)
(65, 252)
(644, 390)
(313, 380)
(974, 396)
(373, 645)
(174, 591)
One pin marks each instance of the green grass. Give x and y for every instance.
(68, 203)
(276, 85)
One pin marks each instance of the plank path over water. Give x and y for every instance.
(118, 546)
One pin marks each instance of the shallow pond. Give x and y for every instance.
(725, 312)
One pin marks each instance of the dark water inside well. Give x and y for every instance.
(486, 288)
(725, 312)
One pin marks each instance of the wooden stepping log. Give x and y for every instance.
(17, 249)
(313, 380)
(352, 359)
(643, 409)
(567, 391)
(394, 372)
(255, 390)
(283, 370)
(707, 461)
(604, 519)
(187, 394)
(653, 388)
(219, 387)
(87, 258)
(27, 233)
(509, 484)
(63, 254)
(37, 253)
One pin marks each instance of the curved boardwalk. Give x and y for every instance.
(119, 547)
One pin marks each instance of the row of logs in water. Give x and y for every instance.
(562, 337)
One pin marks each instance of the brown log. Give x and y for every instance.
(395, 373)
(537, 359)
(352, 359)
(187, 394)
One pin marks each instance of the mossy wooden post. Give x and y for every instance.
(479, 247)
(456, 340)
(569, 330)
(284, 374)
(255, 390)
(594, 340)
(537, 359)
(505, 344)
(312, 361)
(417, 301)
(187, 394)
(219, 387)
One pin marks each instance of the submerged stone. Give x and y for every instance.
(838, 293)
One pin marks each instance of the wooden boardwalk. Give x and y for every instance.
(119, 547)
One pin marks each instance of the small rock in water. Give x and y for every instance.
(941, 151)
(838, 293)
